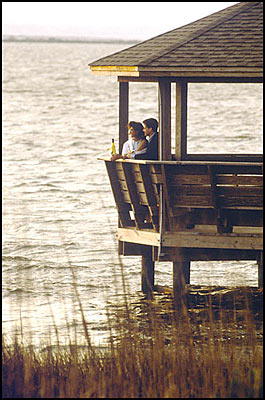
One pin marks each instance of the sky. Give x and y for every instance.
(113, 20)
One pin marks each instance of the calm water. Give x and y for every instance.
(59, 215)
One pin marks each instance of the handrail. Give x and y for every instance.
(149, 162)
(161, 220)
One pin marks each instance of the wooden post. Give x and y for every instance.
(186, 271)
(181, 120)
(123, 113)
(123, 131)
(164, 119)
(260, 270)
(147, 275)
(181, 276)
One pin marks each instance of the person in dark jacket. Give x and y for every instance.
(150, 131)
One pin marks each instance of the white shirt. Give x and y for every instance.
(150, 137)
(132, 145)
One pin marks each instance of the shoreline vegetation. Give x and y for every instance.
(64, 39)
(206, 343)
(208, 346)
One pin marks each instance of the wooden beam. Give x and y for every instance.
(206, 254)
(213, 240)
(123, 113)
(192, 79)
(136, 236)
(181, 120)
(137, 79)
(257, 167)
(252, 241)
(164, 119)
(225, 157)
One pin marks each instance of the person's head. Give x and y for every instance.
(150, 126)
(136, 129)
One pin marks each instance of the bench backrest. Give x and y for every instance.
(195, 192)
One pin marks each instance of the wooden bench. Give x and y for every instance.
(221, 194)
(190, 209)
(136, 194)
(196, 193)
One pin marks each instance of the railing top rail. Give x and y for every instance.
(152, 162)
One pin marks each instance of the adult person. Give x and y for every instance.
(136, 144)
(150, 131)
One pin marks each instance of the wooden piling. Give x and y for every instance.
(147, 274)
(181, 276)
(260, 270)
(186, 271)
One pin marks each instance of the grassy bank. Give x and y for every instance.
(211, 351)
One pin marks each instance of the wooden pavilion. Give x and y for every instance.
(188, 207)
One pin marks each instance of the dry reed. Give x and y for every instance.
(168, 353)
(155, 350)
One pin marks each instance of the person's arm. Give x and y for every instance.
(140, 150)
(115, 157)
(151, 152)
(142, 145)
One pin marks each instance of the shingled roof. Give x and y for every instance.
(226, 43)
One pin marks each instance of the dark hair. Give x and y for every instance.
(138, 127)
(151, 123)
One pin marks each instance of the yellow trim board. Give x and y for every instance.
(115, 70)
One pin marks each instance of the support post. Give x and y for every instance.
(148, 272)
(181, 120)
(260, 270)
(123, 113)
(164, 119)
(186, 271)
(181, 276)
(123, 131)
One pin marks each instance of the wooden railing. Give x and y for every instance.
(191, 197)
(221, 194)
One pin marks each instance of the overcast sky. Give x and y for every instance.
(117, 20)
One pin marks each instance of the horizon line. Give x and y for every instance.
(62, 38)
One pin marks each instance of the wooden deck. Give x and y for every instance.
(201, 210)
(199, 237)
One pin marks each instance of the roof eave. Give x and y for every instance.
(136, 71)
(115, 70)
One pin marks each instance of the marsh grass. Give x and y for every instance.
(206, 346)
(154, 351)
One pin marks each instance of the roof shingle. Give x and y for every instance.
(232, 37)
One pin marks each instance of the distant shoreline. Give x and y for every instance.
(54, 39)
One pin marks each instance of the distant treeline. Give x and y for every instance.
(55, 39)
